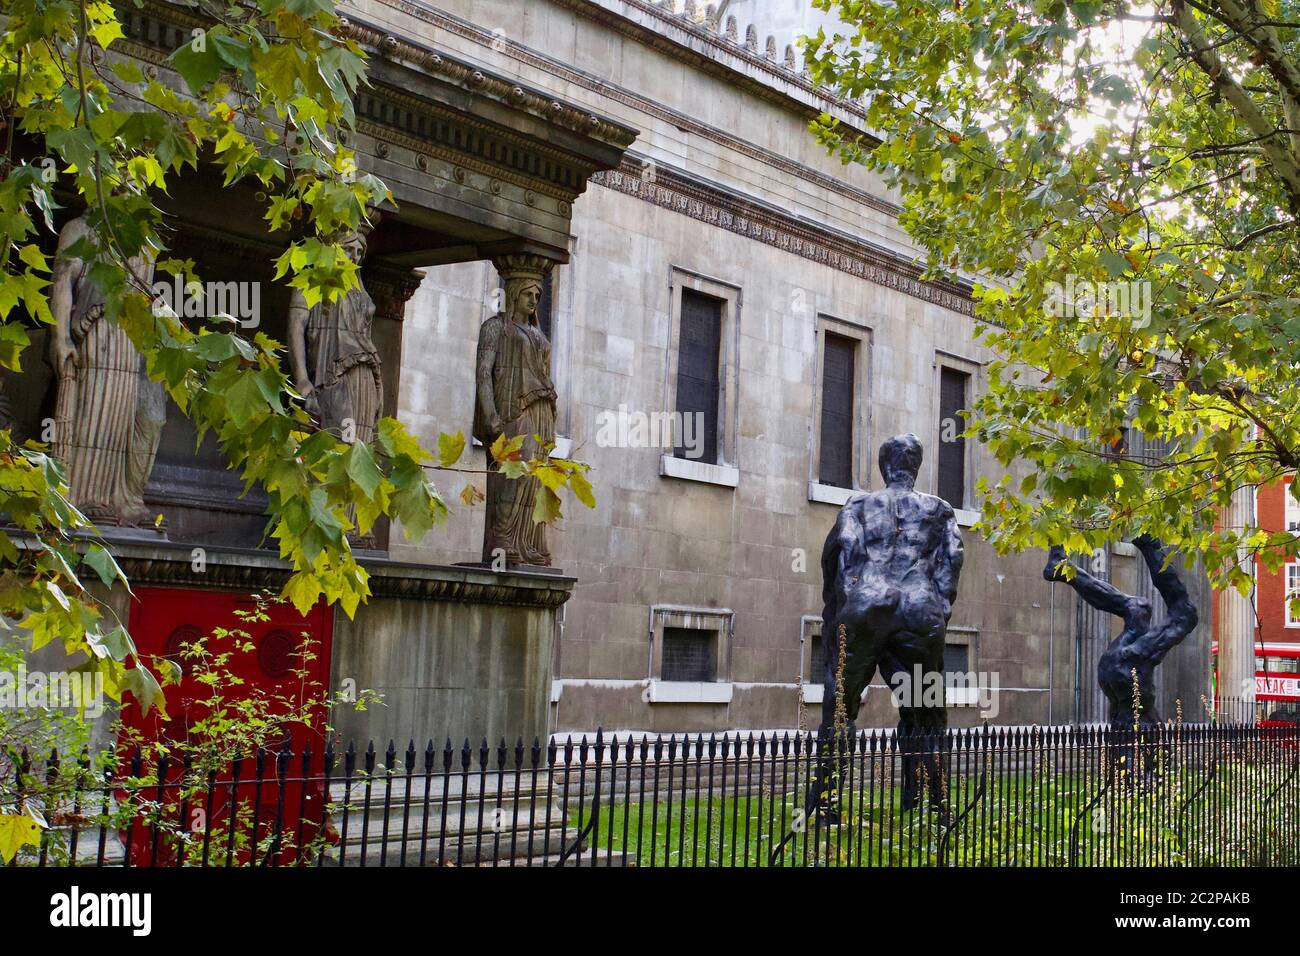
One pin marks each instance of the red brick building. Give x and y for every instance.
(1277, 635)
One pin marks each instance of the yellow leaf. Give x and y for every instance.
(106, 33)
(582, 489)
(547, 507)
(16, 831)
(450, 448)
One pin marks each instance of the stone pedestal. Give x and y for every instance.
(456, 652)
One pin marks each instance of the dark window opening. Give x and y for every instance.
(698, 379)
(688, 655)
(816, 659)
(836, 456)
(956, 658)
(953, 386)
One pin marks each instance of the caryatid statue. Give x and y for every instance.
(889, 578)
(108, 414)
(335, 365)
(515, 396)
(1128, 665)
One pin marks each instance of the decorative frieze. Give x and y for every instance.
(173, 566)
(743, 217)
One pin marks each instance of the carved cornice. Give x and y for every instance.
(172, 565)
(710, 48)
(744, 217)
(548, 109)
(555, 165)
(688, 124)
(389, 115)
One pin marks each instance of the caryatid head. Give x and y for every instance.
(521, 298)
(900, 460)
(354, 244)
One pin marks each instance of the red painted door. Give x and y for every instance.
(283, 663)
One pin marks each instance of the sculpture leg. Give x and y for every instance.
(1151, 647)
(836, 734)
(915, 667)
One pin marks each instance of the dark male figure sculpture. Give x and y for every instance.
(1130, 660)
(889, 578)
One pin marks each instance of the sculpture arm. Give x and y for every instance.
(484, 395)
(1182, 616)
(951, 558)
(62, 348)
(831, 572)
(298, 313)
(1102, 595)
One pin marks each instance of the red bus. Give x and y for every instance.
(1277, 682)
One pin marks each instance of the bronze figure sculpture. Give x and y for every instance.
(1126, 669)
(515, 396)
(890, 568)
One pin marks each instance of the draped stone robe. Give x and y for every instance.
(343, 363)
(524, 397)
(108, 414)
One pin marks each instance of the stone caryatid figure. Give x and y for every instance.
(515, 396)
(1126, 669)
(335, 364)
(889, 578)
(108, 414)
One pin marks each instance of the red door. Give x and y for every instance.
(282, 662)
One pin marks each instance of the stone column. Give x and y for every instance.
(1236, 627)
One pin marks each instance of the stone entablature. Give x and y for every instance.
(713, 45)
(735, 213)
(810, 100)
(485, 165)
(173, 565)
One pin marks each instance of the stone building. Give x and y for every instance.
(706, 263)
(697, 595)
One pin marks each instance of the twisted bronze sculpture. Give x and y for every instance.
(1126, 669)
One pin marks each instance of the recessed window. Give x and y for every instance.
(689, 655)
(816, 658)
(699, 382)
(956, 658)
(839, 362)
(954, 389)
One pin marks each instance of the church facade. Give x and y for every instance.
(735, 323)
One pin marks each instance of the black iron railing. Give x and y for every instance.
(1174, 795)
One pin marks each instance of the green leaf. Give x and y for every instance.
(362, 468)
(197, 67)
(104, 564)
